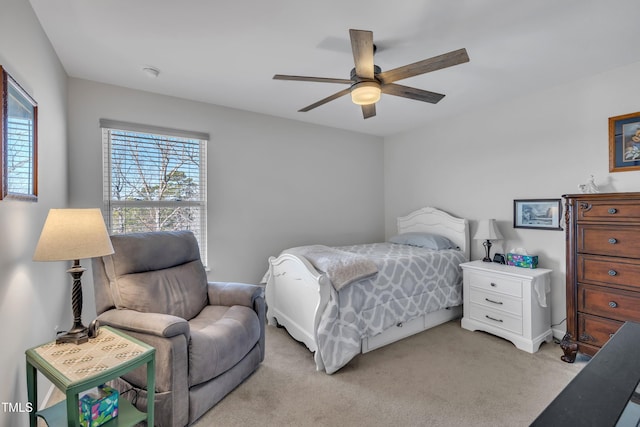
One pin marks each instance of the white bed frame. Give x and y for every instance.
(297, 293)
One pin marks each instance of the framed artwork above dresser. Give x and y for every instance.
(603, 268)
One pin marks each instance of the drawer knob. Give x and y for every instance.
(613, 241)
(493, 284)
(493, 318)
(400, 325)
(494, 302)
(586, 337)
(613, 304)
(613, 211)
(613, 273)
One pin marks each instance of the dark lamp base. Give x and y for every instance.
(74, 336)
(487, 247)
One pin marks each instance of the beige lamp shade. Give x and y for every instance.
(487, 230)
(73, 234)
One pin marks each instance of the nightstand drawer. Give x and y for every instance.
(496, 318)
(496, 301)
(609, 240)
(496, 284)
(607, 302)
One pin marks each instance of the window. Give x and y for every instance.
(154, 180)
(18, 150)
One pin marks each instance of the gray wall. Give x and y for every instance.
(35, 297)
(272, 183)
(540, 146)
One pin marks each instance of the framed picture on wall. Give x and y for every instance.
(624, 143)
(19, 136)
(541, 214)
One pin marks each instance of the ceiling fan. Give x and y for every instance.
(368, 80)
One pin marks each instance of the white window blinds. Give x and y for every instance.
(154, 180)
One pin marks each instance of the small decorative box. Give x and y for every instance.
(98, 405)
(524, 261)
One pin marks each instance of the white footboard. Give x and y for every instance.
(296, 293)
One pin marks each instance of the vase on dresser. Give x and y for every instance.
(603, 268)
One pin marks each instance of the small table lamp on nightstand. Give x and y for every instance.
(487, 231)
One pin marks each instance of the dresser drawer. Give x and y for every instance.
(496, 318)
(596, 330)
(619, 241)
(496, 301)
(496, 283)
(606, 210)
(607, 302)
(604, 270)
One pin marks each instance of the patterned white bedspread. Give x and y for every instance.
(411, 282)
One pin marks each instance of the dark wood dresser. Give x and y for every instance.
(603, 268)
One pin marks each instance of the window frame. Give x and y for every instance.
(8, 83)
(107, 126)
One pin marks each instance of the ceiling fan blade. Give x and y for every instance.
(362, 47)
(425, 66)
(311, 79)
(368, 110)
(325, 100)
(412, 93)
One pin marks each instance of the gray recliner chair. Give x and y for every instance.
(209, 336)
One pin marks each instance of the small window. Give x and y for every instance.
(19, 150)
(154, 180)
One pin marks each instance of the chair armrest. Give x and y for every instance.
(252, 296)
(231, 293)
(162, 325)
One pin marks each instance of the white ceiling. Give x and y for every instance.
(226, 52)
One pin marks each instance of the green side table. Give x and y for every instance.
(75, 368)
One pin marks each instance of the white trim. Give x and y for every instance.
(135, 127)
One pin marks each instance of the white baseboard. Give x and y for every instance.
(558, 333)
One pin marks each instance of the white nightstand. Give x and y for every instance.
(508, 302)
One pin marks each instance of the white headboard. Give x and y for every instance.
(432, 220)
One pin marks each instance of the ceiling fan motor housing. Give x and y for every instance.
(376, 70)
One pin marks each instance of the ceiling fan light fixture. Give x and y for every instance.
(365, 93)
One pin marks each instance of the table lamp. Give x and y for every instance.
(487, 231)
(70, 235)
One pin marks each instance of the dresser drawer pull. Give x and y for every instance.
(493, 318)
(494, 302)
(613, 211)
(493, 285)
(613, 304)
(613, 273)
(613, 241)
(400, 325)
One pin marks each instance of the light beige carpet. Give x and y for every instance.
(446, 376)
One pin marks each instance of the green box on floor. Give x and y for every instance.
(98, 406)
